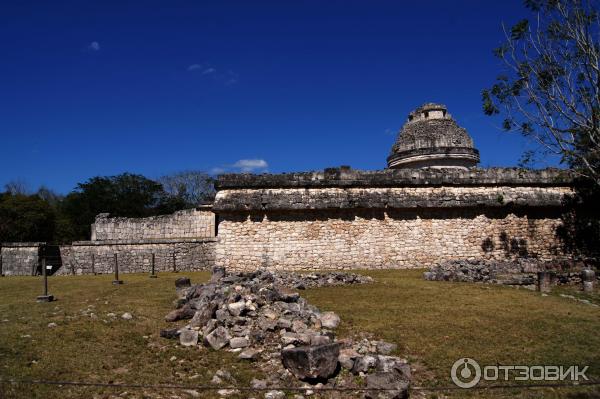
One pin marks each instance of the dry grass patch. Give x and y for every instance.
(434, 323)
(88, 345)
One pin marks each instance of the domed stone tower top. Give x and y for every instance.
(432, 139)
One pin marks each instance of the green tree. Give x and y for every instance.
(126, 195)
(550, 92)
(25, 218)
(550, 89)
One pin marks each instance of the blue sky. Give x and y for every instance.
(93, 88)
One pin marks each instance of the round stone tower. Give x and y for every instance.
(432, 139)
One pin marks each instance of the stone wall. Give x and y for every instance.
(345, 219)
(20, 258)
(378, 238)
(87, 257)
(188, 223)
(181, 241)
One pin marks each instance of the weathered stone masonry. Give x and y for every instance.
(182, 241)
(86, 257)
(189, 223)
(20, 258)
(342, 219)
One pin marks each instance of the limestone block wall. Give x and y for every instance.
(343, 219)
(188, 223)
(87, 257)
(381, 238)
(20, 259)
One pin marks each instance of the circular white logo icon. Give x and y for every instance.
(465, 373)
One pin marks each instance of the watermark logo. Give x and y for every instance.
(466, 373)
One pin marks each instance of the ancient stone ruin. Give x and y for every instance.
(430, 205)
(259, 316)
(431, 138)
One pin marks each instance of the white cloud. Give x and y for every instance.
(251, 165)
(243, 165)
(205, 69)
(94, 46)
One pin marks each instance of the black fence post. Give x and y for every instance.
(116, 281)
(174, 264)
(93, 264)
(152, 275)
(45, 297)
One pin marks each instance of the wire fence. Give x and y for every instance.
(205, 388)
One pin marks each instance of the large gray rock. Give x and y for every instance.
(218, 338)
(329, 320)
(238, 342)
(346, 358)
(362, 364)
(185, 312)
(236, 308)
(309, 362)
(249, 354)
(188, 337)
(386, 385)
(395, 364)
(204, 315)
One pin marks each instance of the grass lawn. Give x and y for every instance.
(434, 324)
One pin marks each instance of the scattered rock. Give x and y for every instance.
(227, 392)
(386, 385)
(170, 333)
(275, 395)
(385, 348)
(515, 272)
(236, 308)
(257, 314)
(238, 342)
(52, 325)
(188, 337)
(312, 361)
(127, 316)
(192, 393)
(362, 364)
(258, 384)
(218, 338)
(249, 354)
(346, 358)
(329, 320)
(185, 312)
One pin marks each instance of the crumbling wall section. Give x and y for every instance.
(89, 257)
(188, 223)
(20, 258)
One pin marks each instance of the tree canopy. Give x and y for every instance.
(47, 216)
(550, 88)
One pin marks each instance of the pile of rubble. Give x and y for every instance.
(313, 280)
(519, 272)
(262, 318)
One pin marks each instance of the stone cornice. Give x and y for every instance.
(346, 177)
